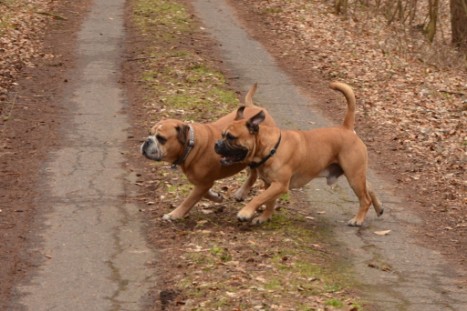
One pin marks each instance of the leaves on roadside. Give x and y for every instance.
(382, 232)
(21, 31)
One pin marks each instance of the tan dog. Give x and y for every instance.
(290, 159)
(191, 146)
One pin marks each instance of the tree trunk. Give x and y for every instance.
(341, 6)
(459, 23)
(430, 28)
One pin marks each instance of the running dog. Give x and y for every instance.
(289, 159)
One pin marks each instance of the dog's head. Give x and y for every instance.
(166, 141)
(238, 142)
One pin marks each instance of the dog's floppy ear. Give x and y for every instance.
(182, 133)
(240, 111)
(255, 121)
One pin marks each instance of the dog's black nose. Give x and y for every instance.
(218, 146)
(146, 145)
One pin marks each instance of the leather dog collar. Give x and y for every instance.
(188, 147)
(271, 153)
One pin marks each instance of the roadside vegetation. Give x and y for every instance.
(210, 261)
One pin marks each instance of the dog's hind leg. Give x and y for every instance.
(214, 196)
(359, 186)
(242, 192)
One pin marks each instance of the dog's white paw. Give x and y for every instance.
(354, 222)
(260, 219)
(167, 217)
(214, 196)
(170, 217)
(244, 215)
(240, 195)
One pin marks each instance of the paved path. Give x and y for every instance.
(97, 256)
(395, 272)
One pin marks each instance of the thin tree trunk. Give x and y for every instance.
(430, 28)
(459, 23)
(341, 6)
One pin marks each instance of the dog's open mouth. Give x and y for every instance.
(232, 156)
(226, 161)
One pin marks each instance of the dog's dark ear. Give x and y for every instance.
(240, 111)
(255, 121)
(182, 133)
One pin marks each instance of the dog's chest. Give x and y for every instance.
(297, 180)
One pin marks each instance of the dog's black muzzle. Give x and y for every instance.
(150, 150)
(145, 146)
(219, 147)
(230, 154)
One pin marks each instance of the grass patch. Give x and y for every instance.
(221, 253)
(179, 79)
(169, 16)
(336, 303)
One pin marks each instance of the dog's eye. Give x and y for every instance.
(162, 140)
(230, 137)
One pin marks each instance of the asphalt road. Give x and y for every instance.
(97, 255)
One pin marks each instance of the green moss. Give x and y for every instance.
(201, 259)
(273, 284)
(221, 253)
(334, 302)
(285, 197)
(272, 10)
(182, 189)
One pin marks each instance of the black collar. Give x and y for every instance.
(271, 153)
(188, 147)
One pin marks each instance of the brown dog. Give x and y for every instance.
(290, 159)
(190, 145)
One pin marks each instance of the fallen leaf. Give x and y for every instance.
(383, 232)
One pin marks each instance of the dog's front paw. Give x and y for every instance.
(240, 195)
(260, 219)
(354, 222)
(244, 215)
(380, 211)
(171, 216)
(214, 196)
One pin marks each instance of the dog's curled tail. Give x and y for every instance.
(249, 96)
(349, 120)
